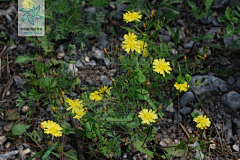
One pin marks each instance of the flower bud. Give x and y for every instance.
(104, 109)
(144, 25)
(63, 94)
(146, 82)
(53, 108)
(185, 59)
(117, 49)
(105, 50)
(204, 57)
(85, 109)
(193, 65)
(151, 60)
(152, 12)
(159, 108)
(130, 73)
(111, 79)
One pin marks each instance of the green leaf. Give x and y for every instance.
(141, 78)
(38, 135)
(97, 131)
(138, 145)
(142, 94)
(25, 58)
(71, 154)
(174, 151)
(77, 81)
(18, 129)
(122, 1)
(176, 37)
(37, 154)
(49, 151)
(204, 37)
(208, 4)
(89, 131)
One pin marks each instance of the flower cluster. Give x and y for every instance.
(160, 66)
(131, 43)
(51, 127)
(202, 121)
(77, 107)
(147, 116)
(182, 87)
(98, 95)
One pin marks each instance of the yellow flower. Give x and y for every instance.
(51, 127)
(79, 114)
(147, 116)
(130, 42)
(63, 94)
(141, 46)
(181, 87)
(104, 89)
(25, 3)
(75, 105)
(132, 16)
(202, 121)
(160, 66)
(95, 96)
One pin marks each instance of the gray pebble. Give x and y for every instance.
(230, 80)
(185, 110)
(231, 99)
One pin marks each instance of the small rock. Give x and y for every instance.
(174, 52)
(125, 155)
(215, 23)
(105, 80)
(230, 80)
(231, 99)
(214, 84)
(79, 64)
(237, 122)
(227, 130)
(98, 54)
(198, 111)
(7, 145)
(235, 147)
(60, 49)
(72, 68)
(66, 58)
(92, 63)
(189, 130)
(185, 110)
(170, 108)
(238, 83)
(8, 93)
(188, 97)
(102, 39)
(224, 61)
(164, 38)
(165, 142)
(2, 139)
(228, 41)
(106, 61)
(9, 19)
(5, 156)
(25, 109)
(8, 127)
(206, 20)
(18, 81)
(223, 88)
(189, 45)
(24, 152)
(87, 59)
(60, 55)
(121, 7)
(213, 31)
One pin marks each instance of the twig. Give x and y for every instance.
(9, 83)
(184, 130)
(24, 142)
(1, 58)
(178, 118)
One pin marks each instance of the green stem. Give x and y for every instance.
(34, 141)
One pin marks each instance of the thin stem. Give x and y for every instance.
(147, 136)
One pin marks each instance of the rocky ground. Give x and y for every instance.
(221, 101)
